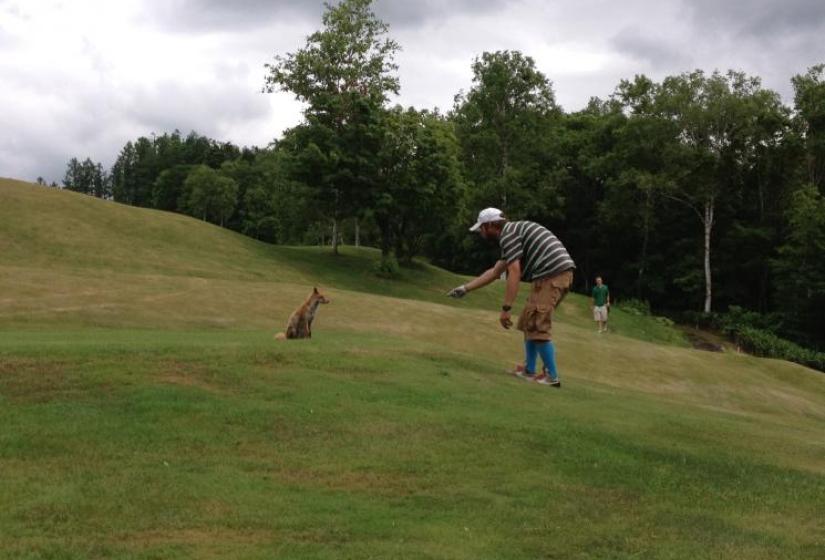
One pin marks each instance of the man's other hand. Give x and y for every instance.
(505, 320)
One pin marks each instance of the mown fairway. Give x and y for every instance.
(147, 412)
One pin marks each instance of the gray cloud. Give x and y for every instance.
(212, 15)
(763, 20)
(8, 12)
(6, 38)
(656, 52)
(73, 88)
(403, 13)
(188, 16)
(163, 107)
(87, 120)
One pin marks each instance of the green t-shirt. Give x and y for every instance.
(600, 294)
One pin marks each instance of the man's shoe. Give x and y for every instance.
(545, 379)
(521, 373)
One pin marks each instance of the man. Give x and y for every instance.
(529, 252)
(600, 300)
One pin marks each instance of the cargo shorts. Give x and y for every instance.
(536, 319)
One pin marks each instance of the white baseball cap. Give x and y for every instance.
(486, 216)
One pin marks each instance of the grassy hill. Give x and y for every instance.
(148, 413)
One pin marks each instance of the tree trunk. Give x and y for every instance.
(708, 223)
(357, 233)
(645, 242)
(335, 222)
(386, 235)
(505, 161)
(643, 260)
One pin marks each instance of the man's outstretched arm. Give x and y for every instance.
(485, 278)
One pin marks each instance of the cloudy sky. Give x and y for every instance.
(79, 78)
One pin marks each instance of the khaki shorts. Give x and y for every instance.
(536, 319)
(600, 313)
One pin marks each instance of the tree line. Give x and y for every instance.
(697, 192)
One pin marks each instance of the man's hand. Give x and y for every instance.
(505, 320)
(458, 293)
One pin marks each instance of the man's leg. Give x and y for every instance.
(530, 357)
(547, 351)
(537, 319)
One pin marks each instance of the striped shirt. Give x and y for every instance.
(541, 252)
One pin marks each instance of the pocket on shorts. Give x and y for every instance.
(537, 319)
(561, 285)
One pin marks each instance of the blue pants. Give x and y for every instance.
(544, 348)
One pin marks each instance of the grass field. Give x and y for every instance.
(146, 412)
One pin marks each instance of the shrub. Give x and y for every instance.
(756, 334)
(764, 343)
(737, 318)
(666, 321)
(636, 307)
(700, 320)
(387, 267)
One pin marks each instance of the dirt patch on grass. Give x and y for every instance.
(388, 484)
(187, 374)
(704, 340)
(33, 380)
(208, 537)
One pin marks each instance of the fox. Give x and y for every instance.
(300, 322)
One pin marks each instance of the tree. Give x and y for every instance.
(145, 170)
(273, 207)
(421, 184)
(809, 100)
(503, 124)
(135, 173)
(123, 175)
(800, 266)
(101, 183)
(586, 145)
(209, 195)
(72, 175)
(168, 189)
(87, 178)
(718, 120)
(344, 74)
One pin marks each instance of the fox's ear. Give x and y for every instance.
(315, 289)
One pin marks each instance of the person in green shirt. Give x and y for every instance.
(600, 299)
